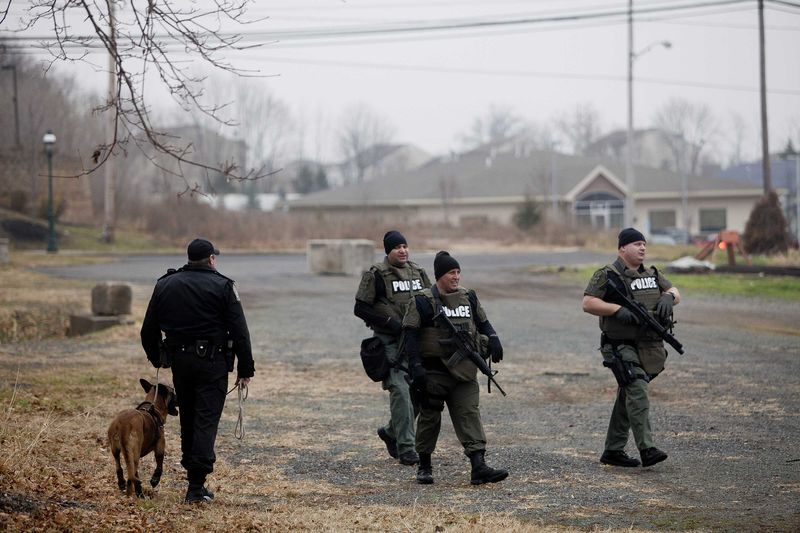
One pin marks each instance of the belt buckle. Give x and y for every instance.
(201, 348)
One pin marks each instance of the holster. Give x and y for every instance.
(622, 370)
(164, 355)
(229, 355)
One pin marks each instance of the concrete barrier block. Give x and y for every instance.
(84, 323)
(110, 299)
(349, 257)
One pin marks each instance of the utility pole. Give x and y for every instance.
(109, 200)
(630, 178)
(763, 74)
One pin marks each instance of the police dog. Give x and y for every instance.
(136, 432)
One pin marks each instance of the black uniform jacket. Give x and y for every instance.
(197, 303)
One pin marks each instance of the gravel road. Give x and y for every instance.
(726, 411)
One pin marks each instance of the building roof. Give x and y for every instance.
(487, 175)
(782, 172)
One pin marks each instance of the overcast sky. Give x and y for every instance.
(430, 85)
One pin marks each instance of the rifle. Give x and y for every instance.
(647, 321)
(465, 344)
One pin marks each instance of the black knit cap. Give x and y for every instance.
(392, 240)
(444, 263)
(200, 249)
(629, 235)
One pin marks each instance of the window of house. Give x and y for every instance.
(713, 220)
(661, 220)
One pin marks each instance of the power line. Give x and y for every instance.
(438, 26)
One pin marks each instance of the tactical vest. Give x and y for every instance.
(640, 286)
(400, 284)
(462, 315)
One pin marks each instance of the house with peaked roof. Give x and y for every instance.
(490, 185)
(377, 160)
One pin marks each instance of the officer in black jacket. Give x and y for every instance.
(199, 311)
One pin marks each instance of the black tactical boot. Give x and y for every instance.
(391, 444)
(197, 493)
(483, 473)
(618, 458)
(425, 470)
(651, 456)
(409, 458)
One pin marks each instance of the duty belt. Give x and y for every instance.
(200, 347)
(615, 343)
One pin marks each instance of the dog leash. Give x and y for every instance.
(238, 430)
(155, 397)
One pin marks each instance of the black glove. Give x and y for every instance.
(664, 306)
(495, 349)
(395, 325)
(626, 317)
(419, 378)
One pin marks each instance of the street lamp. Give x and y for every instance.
(630, 177)
(49, 141)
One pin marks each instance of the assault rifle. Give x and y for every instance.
(645, 319)
(464, 344)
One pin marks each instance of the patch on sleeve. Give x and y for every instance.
(235, 293)
(597, 283)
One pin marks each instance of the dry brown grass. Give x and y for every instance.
(180, 220)
(34, 306)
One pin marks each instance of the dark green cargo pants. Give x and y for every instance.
(401, 411)
(631, 411)
(462, 400)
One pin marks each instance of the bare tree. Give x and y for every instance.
(253, 114)
(580, 127)
(146, 40)
(43, 102)
(361, 133)
(497, 125)
(736, 139)
(686, 128)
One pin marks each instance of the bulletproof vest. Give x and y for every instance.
(640, 286)
(400, 285)
(461, 314)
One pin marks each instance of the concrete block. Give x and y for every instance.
(5, 254)
(84, 323)
(349, 257)
(110, 299)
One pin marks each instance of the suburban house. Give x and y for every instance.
(377, 160)
(652, 148)
(492, 183)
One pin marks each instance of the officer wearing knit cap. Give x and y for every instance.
(634, 354)
(441, 376)
(629, 235)
(444, 263)
(392, 239)
(382, 295)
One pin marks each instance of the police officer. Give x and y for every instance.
(635, 355)
(440, 377)
(199, 311)
(380, 301)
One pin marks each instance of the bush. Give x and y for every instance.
(18, 201)
(527, 215)
(766, 231)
